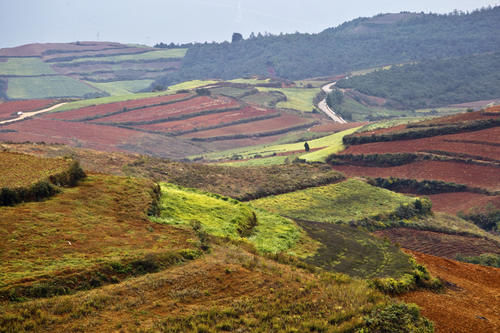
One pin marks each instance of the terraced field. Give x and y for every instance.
(219, 120)
(105, 109)
(174, 111)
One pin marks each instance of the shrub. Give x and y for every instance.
(397, 318)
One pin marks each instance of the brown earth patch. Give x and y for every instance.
(462, 201)
(471, 302)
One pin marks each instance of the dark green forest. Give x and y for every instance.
(361, 43)
(433, 83)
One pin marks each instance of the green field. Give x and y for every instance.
(153, 55)
(351, 200)
(47, 87)
(193, 84)
(333, 144)
(25, 66)
(120, 88)
(297, 98)
(225, 217)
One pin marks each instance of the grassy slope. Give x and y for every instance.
(350, 200)
(25, 66)
(46, 87)
(225, 217)
(229, 289)
(297, 98)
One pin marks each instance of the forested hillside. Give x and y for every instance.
(433, 83)
(361, 43)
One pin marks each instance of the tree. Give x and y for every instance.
(236, 37)
(306, 146)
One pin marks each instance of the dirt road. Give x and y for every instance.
(25, 115)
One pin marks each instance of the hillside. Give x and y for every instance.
(95, 254)
(387, 38)
(431, 84)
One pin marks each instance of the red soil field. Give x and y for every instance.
(75, 134)
(201, 103)
(335, 127)
(207, 120)
(35, 50)
(103, 109)
(468, 174)
(443, 143)
(7, 109)
(470, 304)
(439, 244)
(261, 126)
(462, 202)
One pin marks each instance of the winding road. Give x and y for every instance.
(25, 115)
(327, 88)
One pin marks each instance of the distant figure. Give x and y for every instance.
(306, 146)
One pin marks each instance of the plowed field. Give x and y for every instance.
(439, 244)
(103, 109)
(472, 302)
(461, 173)
(484, 143)
(268, 125)
(79, 134)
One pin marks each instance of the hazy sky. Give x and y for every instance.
(152, 21)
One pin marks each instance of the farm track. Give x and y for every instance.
(26, 115)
